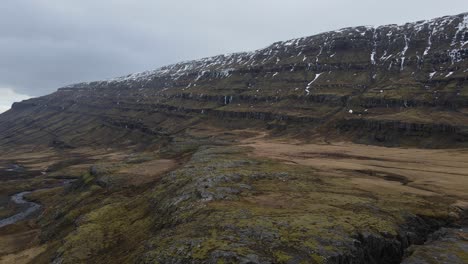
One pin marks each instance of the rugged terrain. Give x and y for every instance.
(405, 85)
(280, 155)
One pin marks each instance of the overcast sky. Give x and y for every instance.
(46, 44)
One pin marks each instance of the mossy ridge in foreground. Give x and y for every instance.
(225, 206)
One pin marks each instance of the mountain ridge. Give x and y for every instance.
(390, 85)
(430, 22)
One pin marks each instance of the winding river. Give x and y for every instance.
(30, 208)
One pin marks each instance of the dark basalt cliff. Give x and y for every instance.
(390, 85)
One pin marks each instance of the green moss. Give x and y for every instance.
(318, 259)
(463, 255)
(114, 226)
(211, 243)
(87, 178)
(281, 257)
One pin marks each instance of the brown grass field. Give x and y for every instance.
(433, 175)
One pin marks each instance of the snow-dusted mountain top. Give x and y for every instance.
(385, 45)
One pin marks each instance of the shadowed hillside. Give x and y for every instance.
(390, 85)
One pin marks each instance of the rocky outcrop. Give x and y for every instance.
(387, 249)
(393, 132)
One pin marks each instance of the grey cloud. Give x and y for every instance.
(46, 44)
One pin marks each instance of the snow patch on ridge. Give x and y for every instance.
(374, 50)
(405, 49)
(429, 42)
(463, 25)
(307, 89)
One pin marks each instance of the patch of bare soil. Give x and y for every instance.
(17, 238)
(406, 170)
(146, 172)
(23, 257)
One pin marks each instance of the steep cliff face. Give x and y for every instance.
(392, 85)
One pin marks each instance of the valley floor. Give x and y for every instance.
(407, 170)
(242, 196)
